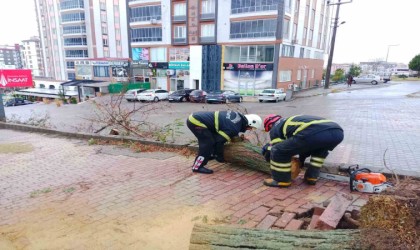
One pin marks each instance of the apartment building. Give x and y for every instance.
(32, 56)
(11, 57)
(74, 30)
(241, 45)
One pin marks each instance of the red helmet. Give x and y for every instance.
(270, 120)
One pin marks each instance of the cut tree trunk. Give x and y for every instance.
(245, 154)
(224, 237)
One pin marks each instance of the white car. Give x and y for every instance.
(131, 95)
(153, 95)
(373, 79)
(272, 95)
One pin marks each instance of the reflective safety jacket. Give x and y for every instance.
(300, 126)
(226, 123)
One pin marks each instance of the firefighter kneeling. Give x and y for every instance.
(302, 135)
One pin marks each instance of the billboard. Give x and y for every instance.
(15, 78)
(140, 54)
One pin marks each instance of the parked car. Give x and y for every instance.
(180, 95)
(153, 95)
(272, 95)
(223, 96)
(15, 101)
(198, 96)
(131, 95)
(373, 79)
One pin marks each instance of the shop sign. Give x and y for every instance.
(179, 65)
(142, 64)
(100, 63)
(12, 78)
(248, 66)
(158, 65)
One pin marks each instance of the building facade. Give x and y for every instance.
(11, 57)
(32, 56)
(244, 46)
(73, 30)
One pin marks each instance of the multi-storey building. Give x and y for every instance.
(232, 44)
(11, 57)
(73, 30)
(32, 56)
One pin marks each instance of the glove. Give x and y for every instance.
(266, 151)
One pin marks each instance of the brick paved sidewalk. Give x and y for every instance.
(62, 193)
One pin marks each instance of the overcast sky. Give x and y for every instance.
(371, 25)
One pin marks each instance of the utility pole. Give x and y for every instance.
(2, 113)
(331, 54)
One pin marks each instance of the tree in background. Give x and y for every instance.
(338, 75)
(415, 64)
(355, 70)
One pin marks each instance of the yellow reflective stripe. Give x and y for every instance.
(196, 122)
(269, 148)
(216, 124)
(311, 179)
(282, 165)
(318, 159)
(315, 164)
(275, 140)
(284, 184)
(288, 122)
(281, 169)
(305, 125)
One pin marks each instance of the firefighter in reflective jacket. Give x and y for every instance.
(213, 130)
(302, 135)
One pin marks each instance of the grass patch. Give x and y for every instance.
(15, 148)
(69, 190)
(38, 192)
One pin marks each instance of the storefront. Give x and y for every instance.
(158, 75)
(248, 69)
(179, 73)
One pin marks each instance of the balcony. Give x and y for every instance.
(207, 16)
(135, 2)
(180, 41)
(179, 19)
(207, 39)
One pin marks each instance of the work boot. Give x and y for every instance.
(311, 176)
(272, 183)
(203, 170)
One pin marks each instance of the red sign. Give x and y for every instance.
(15, 78)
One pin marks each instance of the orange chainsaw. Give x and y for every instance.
(361, 180)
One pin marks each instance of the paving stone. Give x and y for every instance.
(267, 222)
(285, 218)
(294, 225)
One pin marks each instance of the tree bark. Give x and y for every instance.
(224, 237)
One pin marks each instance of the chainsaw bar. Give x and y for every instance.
(334, 177)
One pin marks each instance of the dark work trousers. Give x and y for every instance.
(206, 144)
(316, 146)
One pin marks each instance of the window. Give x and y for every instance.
(299, 74)
(71, 76)
(180, 32)
(305, 30)
(308, 53)
(180, 9)
(158, 54)
(73, 17)
(104, 30)
(311, 35)
(145, 13)
(75, 41)
(286, 28)
(244, 6)
(287, 50)
(302, 52)
(101, 71)
(74, 29)
(106, 53)
(102, 6)
(285, 75)
(287, 6)
(207, 7)
(294, 30)
(313, 73)
(253, 29)
(179, 54)
(207, 30)
(71, 4)
(103, 17)
(254, 53)
(146, 35)
(76, 53)
(70, 65)
(105, 42)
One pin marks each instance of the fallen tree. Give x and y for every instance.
(245, 154)
(225, 237)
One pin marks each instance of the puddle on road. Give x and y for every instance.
(15, 148)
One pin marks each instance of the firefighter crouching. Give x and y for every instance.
(213, 130)
(302, 135)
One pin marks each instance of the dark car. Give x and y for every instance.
(180, 95)
(198, 96)
(223, 96)
(16, 102)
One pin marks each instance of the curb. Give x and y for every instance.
(86, 136)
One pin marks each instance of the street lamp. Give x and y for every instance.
(386, 60)
(330, 56)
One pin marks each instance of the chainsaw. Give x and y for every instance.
(361, 180)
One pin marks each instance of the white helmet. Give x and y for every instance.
(254, 121)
